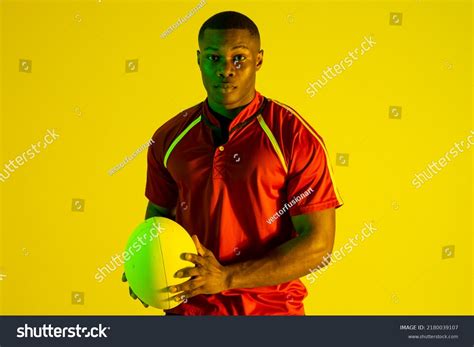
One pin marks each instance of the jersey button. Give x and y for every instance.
(221, 148)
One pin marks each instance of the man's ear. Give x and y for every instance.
(198, 55)
(259, 59)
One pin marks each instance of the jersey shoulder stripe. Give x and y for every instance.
(273, 141)
(171, 132)
(319, 139)
(178, 138)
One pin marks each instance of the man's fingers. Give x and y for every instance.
(187, 286)
(183, 297)
(132, 294)
(188, 272)
(180, 298)
(144, 305)
(198, 245)
(124, 277)
(135, 297)
(202, 251)
(193, 258)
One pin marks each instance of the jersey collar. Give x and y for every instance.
(243, 115)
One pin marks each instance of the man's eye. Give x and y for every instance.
(213, 57)
(239, 58)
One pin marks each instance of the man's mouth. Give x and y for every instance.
(225, 87)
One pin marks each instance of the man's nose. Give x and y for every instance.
(226, 69)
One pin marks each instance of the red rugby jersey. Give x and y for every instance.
(233, 196)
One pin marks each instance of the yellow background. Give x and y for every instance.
(79, 87)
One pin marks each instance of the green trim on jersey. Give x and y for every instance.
(177, 139)
(273, 140)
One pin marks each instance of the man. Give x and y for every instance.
(248, 178)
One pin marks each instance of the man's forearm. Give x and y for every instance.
(289, 261)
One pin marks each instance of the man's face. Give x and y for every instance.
(229, 60)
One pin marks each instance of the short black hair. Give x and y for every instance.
(229, 20)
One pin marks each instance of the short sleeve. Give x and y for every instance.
(160, 189)
(310, 185)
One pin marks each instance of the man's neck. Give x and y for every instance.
(229, 113)
(222, 111)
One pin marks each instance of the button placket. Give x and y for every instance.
(218, 162)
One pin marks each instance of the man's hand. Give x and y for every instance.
(132, 294)
(208, 277)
